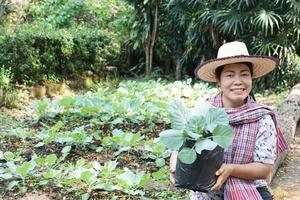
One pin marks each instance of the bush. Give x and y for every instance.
(7, 93)
(38, 51)
(282, 78)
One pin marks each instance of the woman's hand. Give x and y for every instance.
(223, 173)
(249, 171)
(173, 160)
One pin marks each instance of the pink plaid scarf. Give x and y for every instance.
(245, 120)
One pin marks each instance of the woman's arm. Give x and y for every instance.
(172, 165)
(264, 156)
(250, 171)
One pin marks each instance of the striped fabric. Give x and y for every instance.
(244, 120)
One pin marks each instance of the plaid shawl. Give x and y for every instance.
(244, 120)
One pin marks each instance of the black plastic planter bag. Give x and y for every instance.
(200, 175)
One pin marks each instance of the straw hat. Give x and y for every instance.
(235, 52)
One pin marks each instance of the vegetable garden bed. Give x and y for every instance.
(100, 145)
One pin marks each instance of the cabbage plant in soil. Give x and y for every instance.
(199, 134)
(205, 125)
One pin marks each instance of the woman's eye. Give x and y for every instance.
(245, 74)
(229, 75)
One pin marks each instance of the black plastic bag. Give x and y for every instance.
(200, 175)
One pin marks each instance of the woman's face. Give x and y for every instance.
(236, 84)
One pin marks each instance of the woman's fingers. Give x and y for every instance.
(218, 184)
(223, 173)
(220, 171)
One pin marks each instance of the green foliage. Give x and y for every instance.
(131, 182)
(5, 77)
(38, 50)
(60, 38)
(156, 151)
(132, 101)
(268, 28)
(128, 162)
(8, 93)
(122, 141)
(204, 126)
(57, 38)
(62, 13)
(77, 137)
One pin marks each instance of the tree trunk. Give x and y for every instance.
(167, 64)
(178, 57)
(153, 35)
(150, 41)
(148, 72)
(288, 116)
(178, 69)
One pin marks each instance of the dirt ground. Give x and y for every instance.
(286, 184)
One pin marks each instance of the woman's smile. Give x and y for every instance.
(238, 91)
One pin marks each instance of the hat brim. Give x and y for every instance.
(261, 66)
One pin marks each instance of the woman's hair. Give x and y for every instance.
(250, 66)
(220, 69)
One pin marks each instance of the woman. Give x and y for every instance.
(257, 139)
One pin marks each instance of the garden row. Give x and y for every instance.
(97, 145)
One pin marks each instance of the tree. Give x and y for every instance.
(268, 27)
(144, 28)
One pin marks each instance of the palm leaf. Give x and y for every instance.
(267, 21)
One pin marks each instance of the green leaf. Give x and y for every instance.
(86, 176)
(39, 161)
(223, 135)
(193, 135)
(85, 196)
(23, 189)
(66, 149)
(127, 179)
(178, 115)
(40, 144)
(12, 184)
(51, 159)
(201, 108)
(57, 126)
(107, 187)
(96, 165)
(9, 156)
(216, 116)
(24, 169)
(40, 106)
(160, 162)
(161, 173)
(119, 120)
(6, 176)
(99, 149)
(145, 179)
(48, 175)
(67, 102)
(43, 182)
(195, 126)
(187, 155)
(267, 21)
(205, 144)
(172, 139)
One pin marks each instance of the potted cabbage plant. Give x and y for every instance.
(200, 134)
